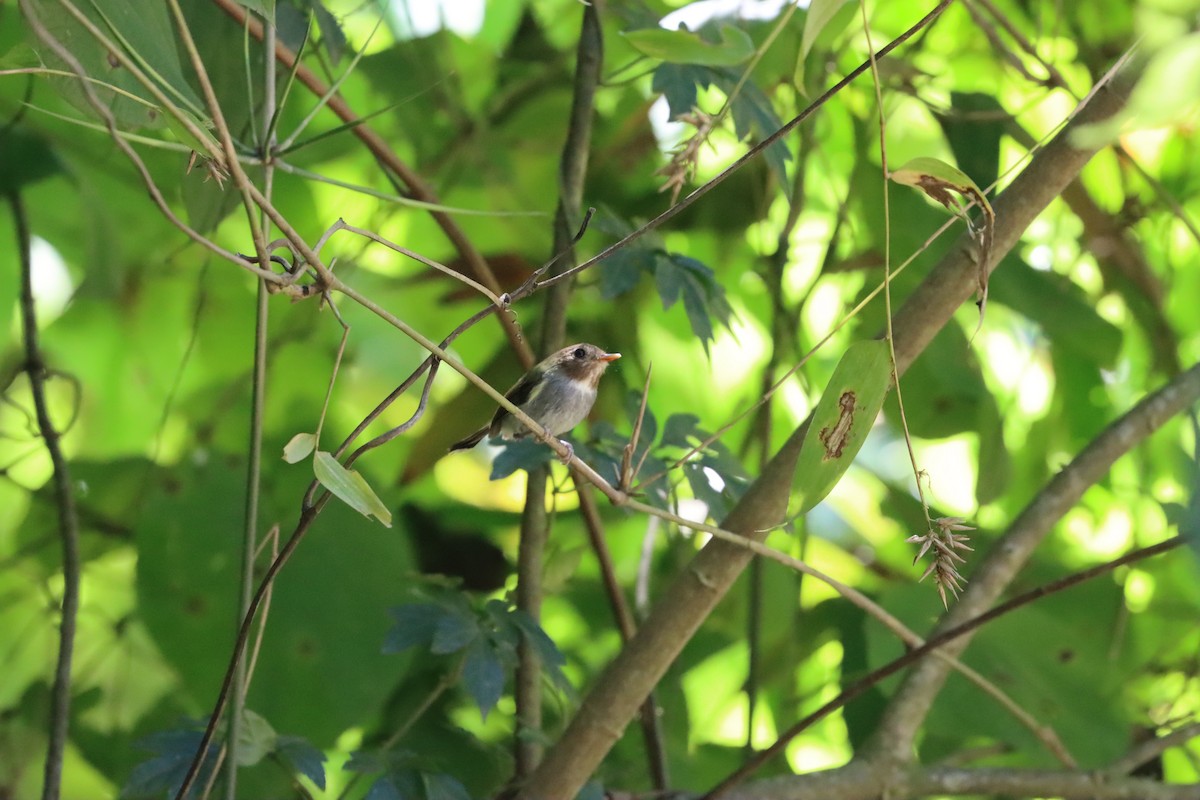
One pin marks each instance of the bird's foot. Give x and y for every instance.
(570, 451)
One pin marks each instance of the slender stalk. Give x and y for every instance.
(68, 521)
(254, 450)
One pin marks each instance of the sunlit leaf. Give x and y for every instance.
(1167, 93)
(938, 180)
(684, 47)
(820, 13)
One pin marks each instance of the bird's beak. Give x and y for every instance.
(610, 356)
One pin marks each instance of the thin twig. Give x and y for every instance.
(342, 225)
(628, 470)
(1153, 748)
(254, 460)
(68, 520)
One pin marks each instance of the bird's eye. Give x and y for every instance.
(580, 353)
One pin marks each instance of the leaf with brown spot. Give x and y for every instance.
(842, 419)
(941, 182)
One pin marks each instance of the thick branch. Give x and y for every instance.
(859, 781)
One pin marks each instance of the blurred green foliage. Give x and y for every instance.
(149, 341)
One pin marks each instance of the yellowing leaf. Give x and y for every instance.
(298, 447)
(941, 182)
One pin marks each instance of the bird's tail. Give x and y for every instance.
(472, 440)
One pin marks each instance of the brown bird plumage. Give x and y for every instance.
(558, 393)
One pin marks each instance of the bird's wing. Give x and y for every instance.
(518, 395)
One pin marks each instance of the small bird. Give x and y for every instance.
(557, 393)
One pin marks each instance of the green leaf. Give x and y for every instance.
(695, 305)
(820, 12)
(299, 447)
(1165, 96)
(483, 675)
(753, 114)
(256, 739)
(842, 419)
(685, 47)
(552, 659)
(143, 31)
(1066, 314)
(395, 787)
(332, 35)
(28, 158)
(350, 487)
(526, 454)
(319, 635)
(974, 127)
(303, 758)
(704, 300)
(677, 83)
(703, 489)
(754, 118)
(453, 632)
(592, 790)
(415, 625)
(621, 272)
(262, 7)
(668, 280)
(163, 773)
(680, 430)
(633, 404)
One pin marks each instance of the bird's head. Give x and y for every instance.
(580, 362)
